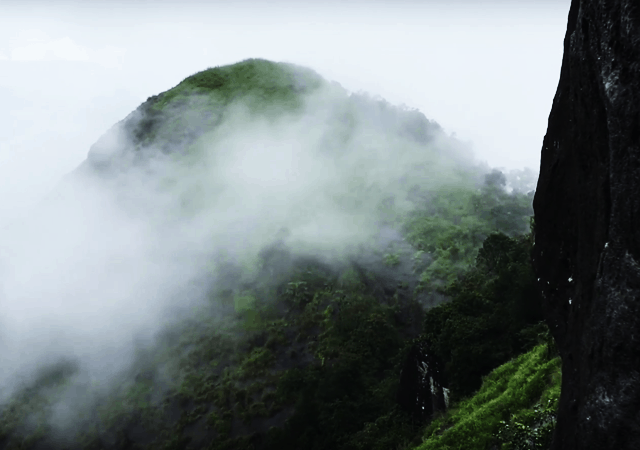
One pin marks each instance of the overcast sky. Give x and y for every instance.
(69, 71)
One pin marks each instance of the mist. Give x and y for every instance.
(486, 72)
(124, 246)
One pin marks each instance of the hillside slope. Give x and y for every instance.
(260, 251)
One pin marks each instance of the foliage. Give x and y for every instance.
(516, 435)
(244, 303)
(391, 259)
(354, 383)
(508, 213)
(268, 84)
(293, 353)
(343, 397)
(509, 395)
(481, 327)
(455, 222)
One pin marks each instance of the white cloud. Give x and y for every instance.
(66, 49)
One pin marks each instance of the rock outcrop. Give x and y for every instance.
(587, 233)
(422, 391)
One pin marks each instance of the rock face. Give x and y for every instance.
(587, 234)
(421, 392)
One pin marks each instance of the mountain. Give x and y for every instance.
(258, 259)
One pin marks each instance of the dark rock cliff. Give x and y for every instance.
(422, 391)
(587, 234)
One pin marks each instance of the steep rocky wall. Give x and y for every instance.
(422, 391)
(587, 235)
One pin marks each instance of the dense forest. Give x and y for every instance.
(410, 320)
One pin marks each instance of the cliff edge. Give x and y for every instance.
(587, 233)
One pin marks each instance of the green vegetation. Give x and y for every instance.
(494, 307)
(391, 259)
(455, 221)
(264, 82)
(328, 368)
(513, 410)
(296, 352)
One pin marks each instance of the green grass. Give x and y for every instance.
(263, 84)
(504, 409)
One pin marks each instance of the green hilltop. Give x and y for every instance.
(294, 348)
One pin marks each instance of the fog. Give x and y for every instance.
(121, 247)
(95, 263)
(485, 71)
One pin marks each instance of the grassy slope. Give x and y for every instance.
(331, 356)
(514, 409)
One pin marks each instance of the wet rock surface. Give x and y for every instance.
(422, 391)
(587, 236)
